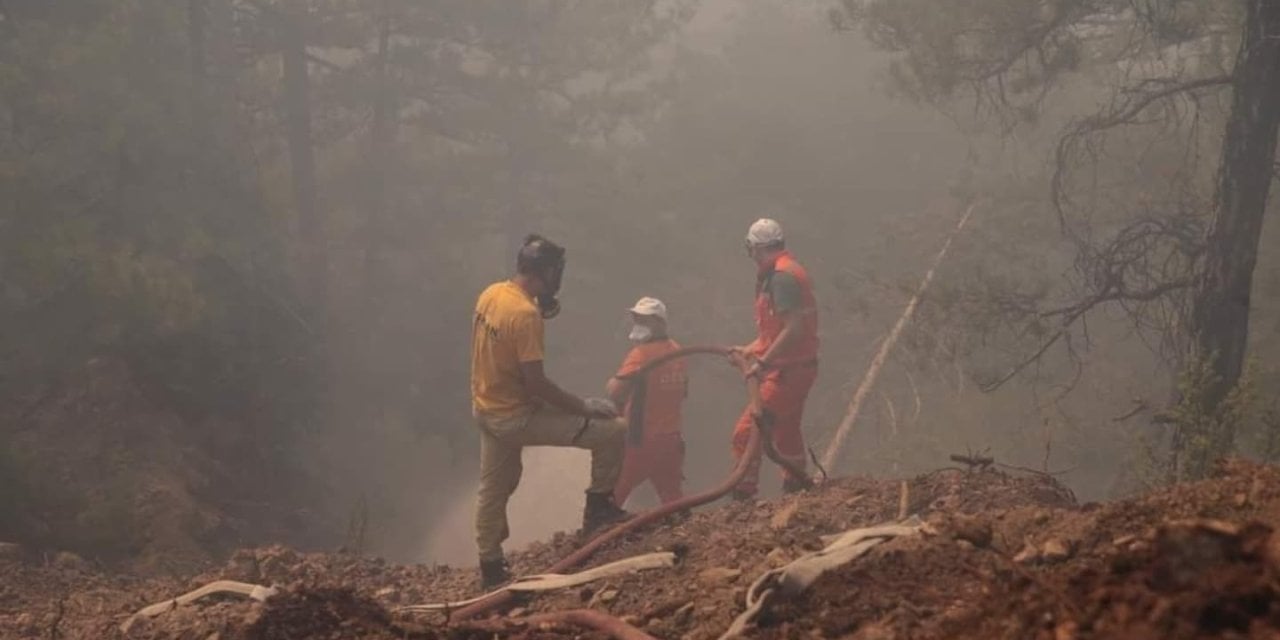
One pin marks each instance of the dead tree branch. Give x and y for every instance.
(1125, 110)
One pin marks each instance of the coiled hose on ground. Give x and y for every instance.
(603, 622)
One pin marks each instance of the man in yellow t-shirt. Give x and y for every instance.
(516, 406)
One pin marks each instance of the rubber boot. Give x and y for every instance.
(601, 511)
(493, 574)
(792, 485)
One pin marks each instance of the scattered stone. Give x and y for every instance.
(783, 516)
(1028, 554)
(719, 575)
(517, 612)
(607, 596)
(972, 530)
(1055, 550)
(877, 630)
(777, 557)
(683, 614)
(25, 622)
(1124, 541)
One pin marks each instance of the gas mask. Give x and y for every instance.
(546, 259)
(548, 305)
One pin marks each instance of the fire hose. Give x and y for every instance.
(583, 618)
(763, 418)
(754, 443)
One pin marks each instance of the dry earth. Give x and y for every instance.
(1013, 556)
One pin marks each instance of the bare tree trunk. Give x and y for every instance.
(1221, 312)
(297, 99)
(369, 362)
(197, 28)
(198, 108)
(219, 57)
(384, 114)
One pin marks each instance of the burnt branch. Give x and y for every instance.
(1069, 315)
(1128, 107)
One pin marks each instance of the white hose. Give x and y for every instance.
(554, 581)
(251, 591)
(800, 573)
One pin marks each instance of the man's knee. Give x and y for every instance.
(500, 484)
(608, 434)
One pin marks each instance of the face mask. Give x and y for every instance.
(640, 333)
(548, 304)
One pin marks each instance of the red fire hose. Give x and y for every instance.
(688, 502)
(585, 618)
(763, 419)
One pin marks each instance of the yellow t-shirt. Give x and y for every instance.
(506, 331)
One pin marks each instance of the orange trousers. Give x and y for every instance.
(782, 394)
(660, 460)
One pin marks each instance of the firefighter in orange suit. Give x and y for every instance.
(784, 354)
(653, 404)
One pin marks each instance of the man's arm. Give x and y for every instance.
(618, 390)
(538, 385)
(788, 305)
(790, 332)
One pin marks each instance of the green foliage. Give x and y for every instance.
(130, 226)
(1270, 423)
(1203, 431)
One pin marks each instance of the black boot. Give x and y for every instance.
(493, 574)
(601, 511)
(793, 485)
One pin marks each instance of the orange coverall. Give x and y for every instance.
(785, 383)
(655, 444)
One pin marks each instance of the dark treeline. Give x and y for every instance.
(240, 239)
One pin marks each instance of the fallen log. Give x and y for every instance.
(877, 363)
(980, 462)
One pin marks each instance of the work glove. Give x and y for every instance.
(601, 408)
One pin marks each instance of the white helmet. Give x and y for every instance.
(647, 306)
(764, 232)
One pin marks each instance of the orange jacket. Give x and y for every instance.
(769, 325)
(655, 405)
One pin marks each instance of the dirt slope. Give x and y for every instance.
(1012, 557)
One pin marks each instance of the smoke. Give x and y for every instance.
(550, 499)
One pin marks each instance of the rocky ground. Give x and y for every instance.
(1012, 555)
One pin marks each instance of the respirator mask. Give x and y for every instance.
(548, 304)
(640, 333)
(545, 259)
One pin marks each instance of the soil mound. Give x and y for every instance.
(1006, 555)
